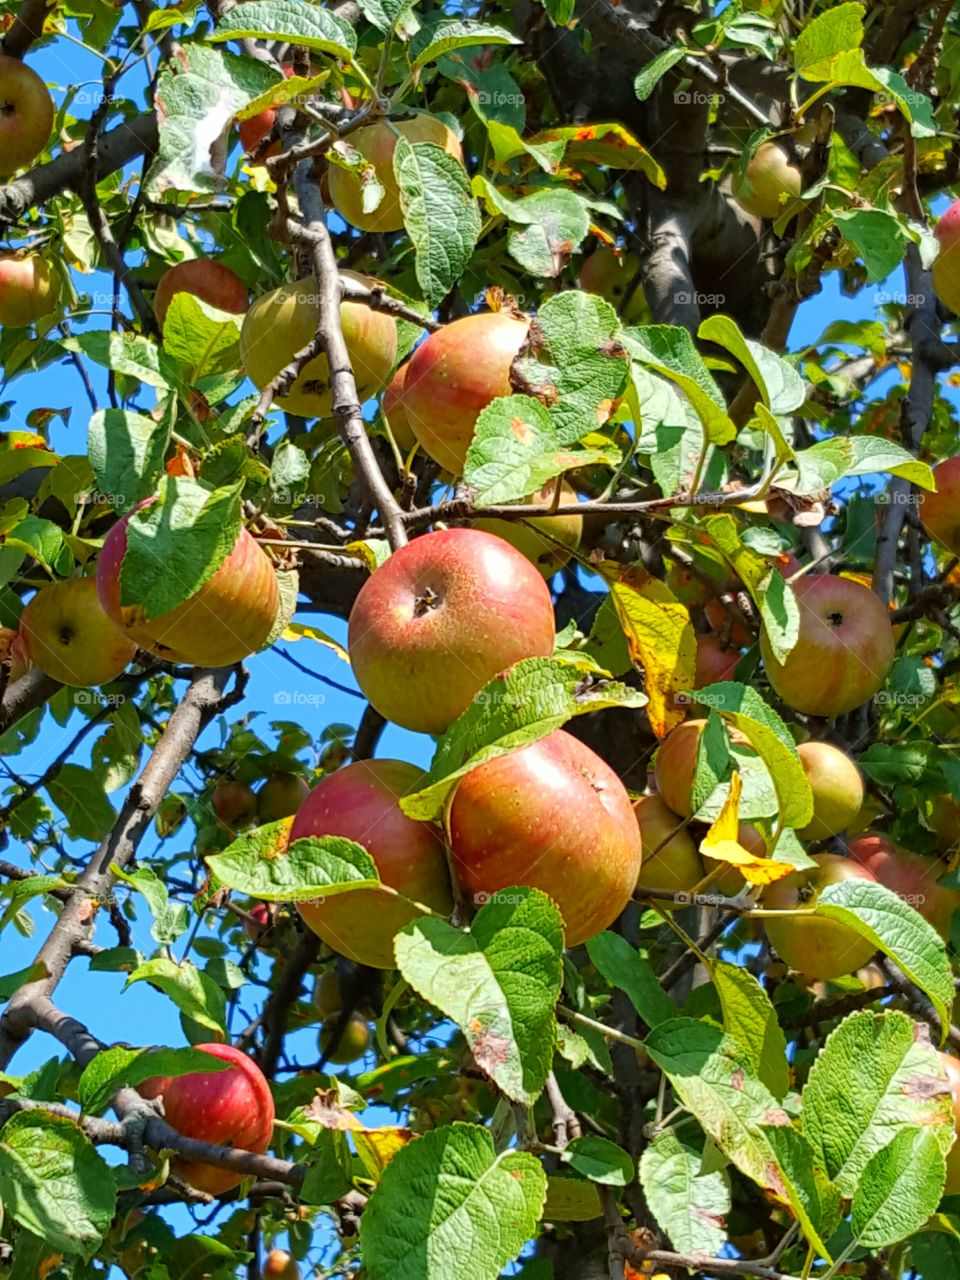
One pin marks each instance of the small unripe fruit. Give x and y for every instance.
(609, 274)
(280, 1265)
(327, 997)
(26, 115)
(354, 1041)
(546, 541)
(280, 797)
(770, 183)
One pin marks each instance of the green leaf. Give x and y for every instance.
(901, 1187)
(651, 75)
(314, 867)
(126, 450)
(775, 600)
(307, 25)
(878, 237)
(201, 339)
(118, 1067)
(41, 539)
(669, 351)
(127, 353)
(689, 1204)
(872, 1078)
(10, 983)
(177, 544)
(781, 387)
(499, 981)
(481, 1210)
(828, 461)
(194, 994)
(600, 1160)
(79, 794)
(625, 968)
(555, 223)
(570, 1200)
(169, 918)
(432, 42)
(21, 891)
(439, 212)
(750, 1021)
(55, 1183)
(877, 913)
(814, 1199)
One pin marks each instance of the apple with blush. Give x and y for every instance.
(280, 1265)
(716, 661)
(204, 278)
(913, 877)
(946, 265)
(837, 787)
(670, 857)
(67, 634)
(940, 511)
(235, 804)
(29, 289)
(546, 541)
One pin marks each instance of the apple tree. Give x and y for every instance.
(479, 637)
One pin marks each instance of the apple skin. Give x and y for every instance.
(29, 288)
(525, 535)
(940, 511)
(68, 636)
(676, 764)
(229, 618)
(946, 265)
(233, 1108)
(26, 115)
(768, 176)
(677, 865)
(724, 624)
(453, 375)
(394, 412)
(327, 997)
(257, 127)
(377, 144)
(914, 877)
(951, 1069)
(204, 278)
(819, 949)
(355, 1040)
(234, 804)
(837, 788)
(844, 650)
(730, 881)
(360, 802)
(279, 1265)
(283, 322)
(608, 274)
(944, 820)
(280, 797)
(439, 619)
(715, 662)
(550, 816)
(260, 921)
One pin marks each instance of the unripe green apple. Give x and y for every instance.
(670, 857)
(29, 287)
(820, 949)
(280, 797)
(770, 183)
(68, 636)
(354, 1041)
(527, 536)
(940, 511)
(26, 115)
(946, 265)
(608, 273)
(327, 996)
(203, 278)
(837, 789)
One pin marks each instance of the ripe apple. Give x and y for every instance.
(233, 1108)
(253, 129)
(355, 1040)
(819, 949)
(230, 617)
(769, 175)
(526, 535)
(946, 266)
(234, 804)
(13, 650)
(281, 323)
(376, 143)
(26, 115)
(715, 662)
(676, 764)
(280, 796)
(360, 802)
(844, 650)
(439, 619)
(551, 816)
(951, 1068)
(608, 273)
(204, 278)
(455, 374)
(260, 918)
(914, 877)
(29, 287)
(279, 1265)
(394, 412)
(727, 625)
(670, 861)
(68, 636)
(940, 511)
(837, 789)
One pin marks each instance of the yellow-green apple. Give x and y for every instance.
(944, 820)
(377, 143)
(26, 114)
(281, 323)
(608, 273)
(844, 649)
(551, 816)
(538, 538)
(227, 619)
(203, 278)
(67, 635)
(393, 410)
(837, 789)
(353, 1043)
(362, 803)
(951, 1069)
(946, 265)
(454, 374)
(439, 619)
(769, 184)
(914, 877)
(280, 1265)
(940, 511)
(29, 288)
(676, 764)
(232, 1107)
(670, 858)
(280, 796)
(818, 948)
(715, 661)
(327, 997)
(235, 804)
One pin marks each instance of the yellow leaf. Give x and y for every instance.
(377, 1147)
(300, 631)
(721, 843)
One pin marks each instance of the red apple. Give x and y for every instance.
(951, 1068)
(29, 288)
(204, 278)
(837, 789)
(676, 764)
(768, 183)
(260, 919)
(26, 115)
(455, 374)
(280, 797)
(393, 410)
(233, 1108)
(354, 1041)
(608, 273)
(670, 858)
(914, 877)
(234, 804)
(376, 143)
(715, 661)
(946, 266)
(439, 619)
(550, 816)
(360, 802)
(279, 1265)
(940, 511)
(281, 323)
(844, 650)
(817, 948)
(229, 618)
(257, 127)
(725, 623)
(538, 537)
(67, 635)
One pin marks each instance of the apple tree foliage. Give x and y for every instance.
(668, 1099)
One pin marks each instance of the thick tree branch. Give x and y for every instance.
(27, 27)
